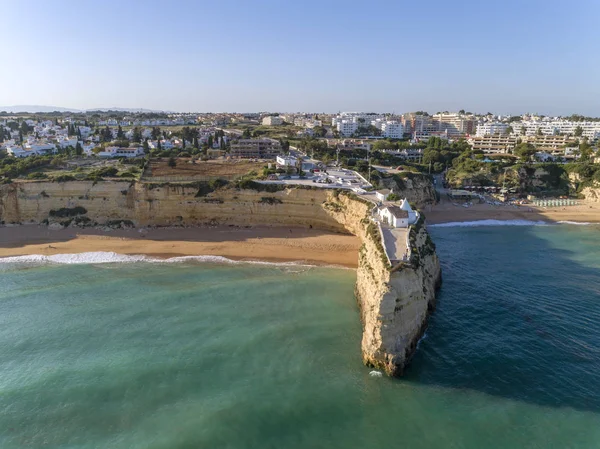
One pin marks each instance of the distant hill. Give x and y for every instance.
(36, 108)
(32, 108)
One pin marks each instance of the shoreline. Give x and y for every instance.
(447, 212)
(248, 244)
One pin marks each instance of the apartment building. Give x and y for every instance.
(503, 143)
(455, 124)
(392, 129)
(493, 144)
(491, 128)
(417, 123)
(347, 127)
(255, 148)
(591, 130)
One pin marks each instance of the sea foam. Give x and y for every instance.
(489, 223)
(578, 223)
(101, 257)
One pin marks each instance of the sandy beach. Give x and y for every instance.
(446, 212)
(276, 244)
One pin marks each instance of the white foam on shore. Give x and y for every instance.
(454, 224)
(578, 223)
(101, 257)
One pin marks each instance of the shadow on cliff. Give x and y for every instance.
(517, 315)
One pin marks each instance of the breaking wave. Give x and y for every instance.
(102, 257)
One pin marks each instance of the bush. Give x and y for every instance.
(68, 212)
(270, 200)
(64, 178)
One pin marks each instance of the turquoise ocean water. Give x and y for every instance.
(206, 355)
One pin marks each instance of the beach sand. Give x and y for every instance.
(446, 211)
(276, 244)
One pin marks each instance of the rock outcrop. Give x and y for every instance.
(417, 188)
(394, 301)
(591, 194)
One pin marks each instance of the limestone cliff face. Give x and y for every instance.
(415, 187)
(592, 194)
(164, 205)
(394, 301)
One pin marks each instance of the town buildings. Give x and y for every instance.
(255, 148)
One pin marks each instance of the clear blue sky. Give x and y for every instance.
(225, 55)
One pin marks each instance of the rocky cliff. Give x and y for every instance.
(416, 187)
(591, 194)
(394, 301)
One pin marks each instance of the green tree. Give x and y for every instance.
(155, 133)
(525, 151)
(578, 131)
(137, 134)
(120, 133)
(78, 149)
(509, 130)
(172, 162)
(320, 131)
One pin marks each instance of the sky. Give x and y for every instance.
(510, 57)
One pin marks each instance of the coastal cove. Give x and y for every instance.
(395, 297)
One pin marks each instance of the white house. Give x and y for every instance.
(398, 216)
(382, 195)
(17, 151)
(394, 216)
(41, 148)
(121, 152)
(286, 161)
(65, 142)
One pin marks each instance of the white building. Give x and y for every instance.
(346, 127)
(382, 195)
(398, 216)
(272, 120)
(392, 130)
(121, 152)
(17, 151)
(64, 142)
(553, 126)
(41, 148)
(286, 161)
(489, 129)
